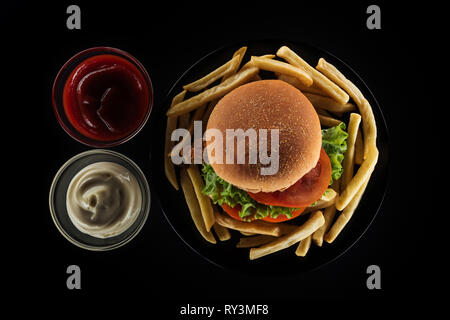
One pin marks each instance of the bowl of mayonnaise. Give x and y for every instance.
(99, 200)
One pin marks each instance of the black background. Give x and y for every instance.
(168, 39)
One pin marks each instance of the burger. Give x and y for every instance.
(309, 158)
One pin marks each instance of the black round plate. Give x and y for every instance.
(225, 254)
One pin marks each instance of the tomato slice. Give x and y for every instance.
(305, 191)
(234, 213)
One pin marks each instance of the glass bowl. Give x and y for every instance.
(58, 88)
(58, 192)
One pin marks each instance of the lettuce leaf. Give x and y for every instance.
(221, 192)
(334, 142)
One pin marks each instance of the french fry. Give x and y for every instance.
(299, 85)
(169, 168)
(339, 79)
(185, 140)
(282, 67)
(346, 215)
(204, 202)
(359, 148)
(349, 157)
(220, 72)
(257, 227)
(328, 215)
(328, 121)
(240, 52)
(369, 127)
(303, 247)
(194, 208)
(251, 63)
(184, 120)
(328, 104)
(222, 233)
(355, 184)
(254, 241)
(368, 118)
(323, 112)
(328, 199)
(319, 79)
(257, 77)
(305, 230)
(212, 93)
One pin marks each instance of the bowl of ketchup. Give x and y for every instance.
(102, 96)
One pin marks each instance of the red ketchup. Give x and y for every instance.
(106, 98)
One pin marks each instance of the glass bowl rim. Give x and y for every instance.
(144, 211)
(73, 133)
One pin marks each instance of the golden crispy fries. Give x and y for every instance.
(328, 121)
(319, 79)
(257, 77)
(305, 230)
(184, 120)
(346, 215)
(251, 64)
(198, 114)
(296, 83)
(257, 227)
(339, 79)
(282, 67)
(328, 199)
(240, 52)
(369, 127)
(194, 208)
(212, 93)
(222, 233)
(349, 157)
(169, 168)
(204, 202)
(359, 148)
(323, 112)
(355, 184)
(254, 241)
(328, 104)
(215, 75)
(328, 196)
(303, 247)
(368, 119)
(328, 215)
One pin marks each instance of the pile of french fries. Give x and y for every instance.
(329, 91)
